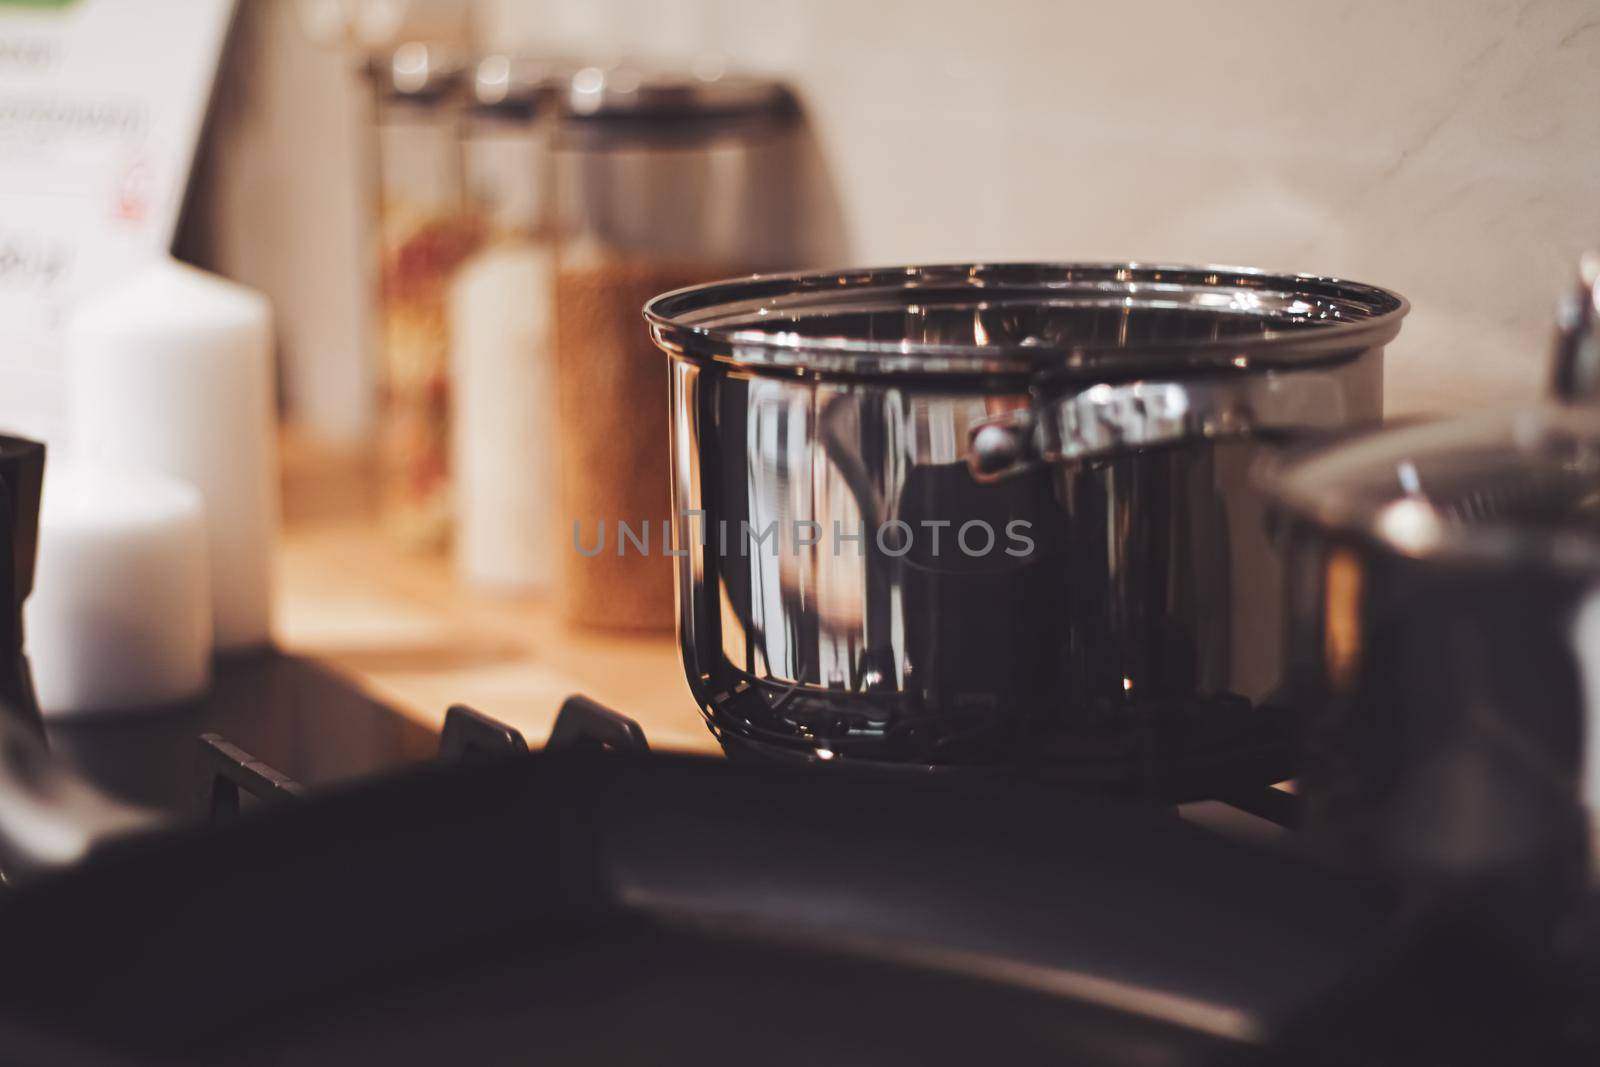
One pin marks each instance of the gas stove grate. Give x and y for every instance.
(230, 773)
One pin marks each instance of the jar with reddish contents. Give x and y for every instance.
(424, 232)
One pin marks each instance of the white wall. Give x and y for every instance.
(1449, 149)
(279, 204)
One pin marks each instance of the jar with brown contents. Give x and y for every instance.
(663, 181)
(613, 409)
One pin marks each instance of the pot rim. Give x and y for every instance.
(1409, 524)
(1320, 317)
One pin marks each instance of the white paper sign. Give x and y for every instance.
(101, 106)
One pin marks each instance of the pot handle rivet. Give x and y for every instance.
(997, 449)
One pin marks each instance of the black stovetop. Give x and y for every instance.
(292, 713)
(316, 728)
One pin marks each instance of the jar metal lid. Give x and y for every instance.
(417, 72)
(1083, 320)
(516, 86)
(625, 92)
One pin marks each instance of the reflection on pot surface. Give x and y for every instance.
(932, 516)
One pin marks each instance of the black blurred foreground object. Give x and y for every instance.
(21, 480)
(596, 903)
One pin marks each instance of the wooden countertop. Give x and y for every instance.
(403, 628)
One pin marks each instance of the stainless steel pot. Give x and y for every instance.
(999, 515)
(1444, 645)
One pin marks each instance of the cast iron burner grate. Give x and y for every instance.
(469, 736)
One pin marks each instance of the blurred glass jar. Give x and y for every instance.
(663, 180)
(424, 233)
(501, 330)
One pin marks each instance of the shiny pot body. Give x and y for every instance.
(1443, 656)
(993, 570)
(1443, 714)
